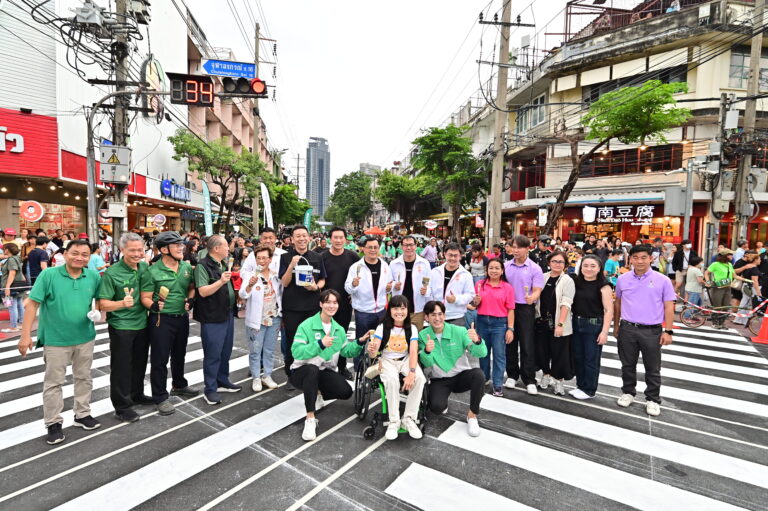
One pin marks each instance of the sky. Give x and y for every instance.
(365, 75)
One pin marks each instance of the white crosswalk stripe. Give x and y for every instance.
(561, 447)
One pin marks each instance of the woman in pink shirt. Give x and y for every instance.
(495, 321)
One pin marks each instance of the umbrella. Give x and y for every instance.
(374, 231)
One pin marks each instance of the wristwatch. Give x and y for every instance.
(668, 332)
(560, 325)
(511, 328)
(412, 369)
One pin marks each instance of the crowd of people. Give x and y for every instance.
(446, 318)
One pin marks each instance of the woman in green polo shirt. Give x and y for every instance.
(719, 276)
(317, 345)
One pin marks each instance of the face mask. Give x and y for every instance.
(688, 246)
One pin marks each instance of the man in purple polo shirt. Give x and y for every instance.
(527, 280)
(644, 300)
(430, 253)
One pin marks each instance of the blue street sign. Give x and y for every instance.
(229, 68)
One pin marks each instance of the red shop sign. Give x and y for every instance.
(29, 144)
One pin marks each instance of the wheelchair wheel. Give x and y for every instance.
(362, 389)
(369, 432)
(692, 317)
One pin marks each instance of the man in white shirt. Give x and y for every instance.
(368, 282)
(268, 237)
(408, 272)
(742, 246)
(451, 284)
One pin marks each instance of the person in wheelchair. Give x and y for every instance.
(443, 349)
(316, 348)
(397, 342)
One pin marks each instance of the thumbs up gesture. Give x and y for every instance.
(451, 298)
(327, 340)
(128, 299)
(473, 333)
(430, 344)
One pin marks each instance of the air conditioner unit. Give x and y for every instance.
(532, 192)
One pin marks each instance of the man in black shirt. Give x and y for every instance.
(299, 302)
(337, 261)
(38, 258)
(540, 253)
(590, 245)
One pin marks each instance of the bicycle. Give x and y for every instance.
(694, 316)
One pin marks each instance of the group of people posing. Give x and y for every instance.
(456, 327)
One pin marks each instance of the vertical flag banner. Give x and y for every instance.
(308, 218)
(207, 210)
(267, 206)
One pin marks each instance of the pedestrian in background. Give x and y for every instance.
(430, 253)
(14, 286)
(719, 276)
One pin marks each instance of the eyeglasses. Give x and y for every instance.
(556, 261)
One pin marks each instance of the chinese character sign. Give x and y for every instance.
(636, 215)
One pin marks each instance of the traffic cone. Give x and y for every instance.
(762, 337)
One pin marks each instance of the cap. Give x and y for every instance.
(349, 237)
(82, 236)
(725, 251)
(10, 232)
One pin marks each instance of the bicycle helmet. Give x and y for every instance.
(167, 238)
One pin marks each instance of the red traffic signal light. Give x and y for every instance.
(245, 87)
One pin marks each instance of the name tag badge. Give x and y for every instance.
(317, 336)
(650, 284)
(258, 288)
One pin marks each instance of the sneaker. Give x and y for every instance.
(87, 423)
(212, 398)
(319, 403)
(572, 392)
(498, 392)
(165, 408)
(346, 374)
(559, 387)
(143, 400)
(444, 411)
(310, 430)
(372, 372)
(289, 386)
(10, 330)
(413, 428)
(185, 392)
(127, 415)
(55, 434)
(531, 389)
(256, 385)
(652, 408)
(269, 382)
(229, 387)
(392, 430)
(580, 394)
(473, 427)
(510, 383)
(487, 383)
(625, 400)
(545, 381)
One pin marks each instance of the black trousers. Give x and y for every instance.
(343, 317)
(168, 339)
(440, 389)
(310, 379)
(291, 322)
(525, 316)
(129, 350)
(632, 341)
(553, 354)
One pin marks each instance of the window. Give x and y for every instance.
(531, 115)
(634, 161)
(738, 74)
(524, 174)
(675, 74)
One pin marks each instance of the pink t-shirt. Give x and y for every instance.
(496, 300)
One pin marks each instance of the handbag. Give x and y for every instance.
(737, 285)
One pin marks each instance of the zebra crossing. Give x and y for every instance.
(707, 450)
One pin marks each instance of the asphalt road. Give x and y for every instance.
(707, 450)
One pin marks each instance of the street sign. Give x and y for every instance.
(229, 68)
(430, 224)
(31, 211)
(115, 164)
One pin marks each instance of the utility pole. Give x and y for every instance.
(298, 175)
(120, 126)
(742, 207)
(494, 200)
(256, 120)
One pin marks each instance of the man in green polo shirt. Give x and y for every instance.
(127, 319)
(64, 295)
(168, 328)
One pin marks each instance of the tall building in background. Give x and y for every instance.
(318, 174)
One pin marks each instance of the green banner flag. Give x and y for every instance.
(308, 218)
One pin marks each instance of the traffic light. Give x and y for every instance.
(194, 90)
(255, 87)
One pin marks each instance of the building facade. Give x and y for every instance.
(318, 169)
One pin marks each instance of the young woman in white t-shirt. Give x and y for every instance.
(398, 342)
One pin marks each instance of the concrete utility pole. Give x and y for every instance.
(494, 199)
(120, 126)
(742, 207)
(298, 175)
(256, 118)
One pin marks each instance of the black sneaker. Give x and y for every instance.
(55, 434)
(87, 423)
(143, 400)
(212, 398)
(127, 415)
(185, 392)
(229, 387)
(346, 374)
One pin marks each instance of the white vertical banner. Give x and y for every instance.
(267, 206)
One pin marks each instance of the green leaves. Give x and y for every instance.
(401, 193)
(351, 197)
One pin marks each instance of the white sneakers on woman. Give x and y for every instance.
(473, 427)
(269, 382)
(310, 430)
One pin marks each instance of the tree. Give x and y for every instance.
(352, 196)
(335, 215)
(445, 160)
(630, 115)
(287, 208)
(403, 194)
(237, 175)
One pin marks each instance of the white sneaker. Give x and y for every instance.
(580, 394)
(625, 400)
(310, 430)
(269, 382)
(652, 408)
(319, 403)
(545, 381)
(392, 430)
(559, 387)
(473, 427)
(412, 427)
(256, 385)
(531, 389)
(510, 383)
(444, 411)
(572, 392)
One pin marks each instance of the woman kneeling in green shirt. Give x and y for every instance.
(316, 348)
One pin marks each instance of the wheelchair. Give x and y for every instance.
(365, 388)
